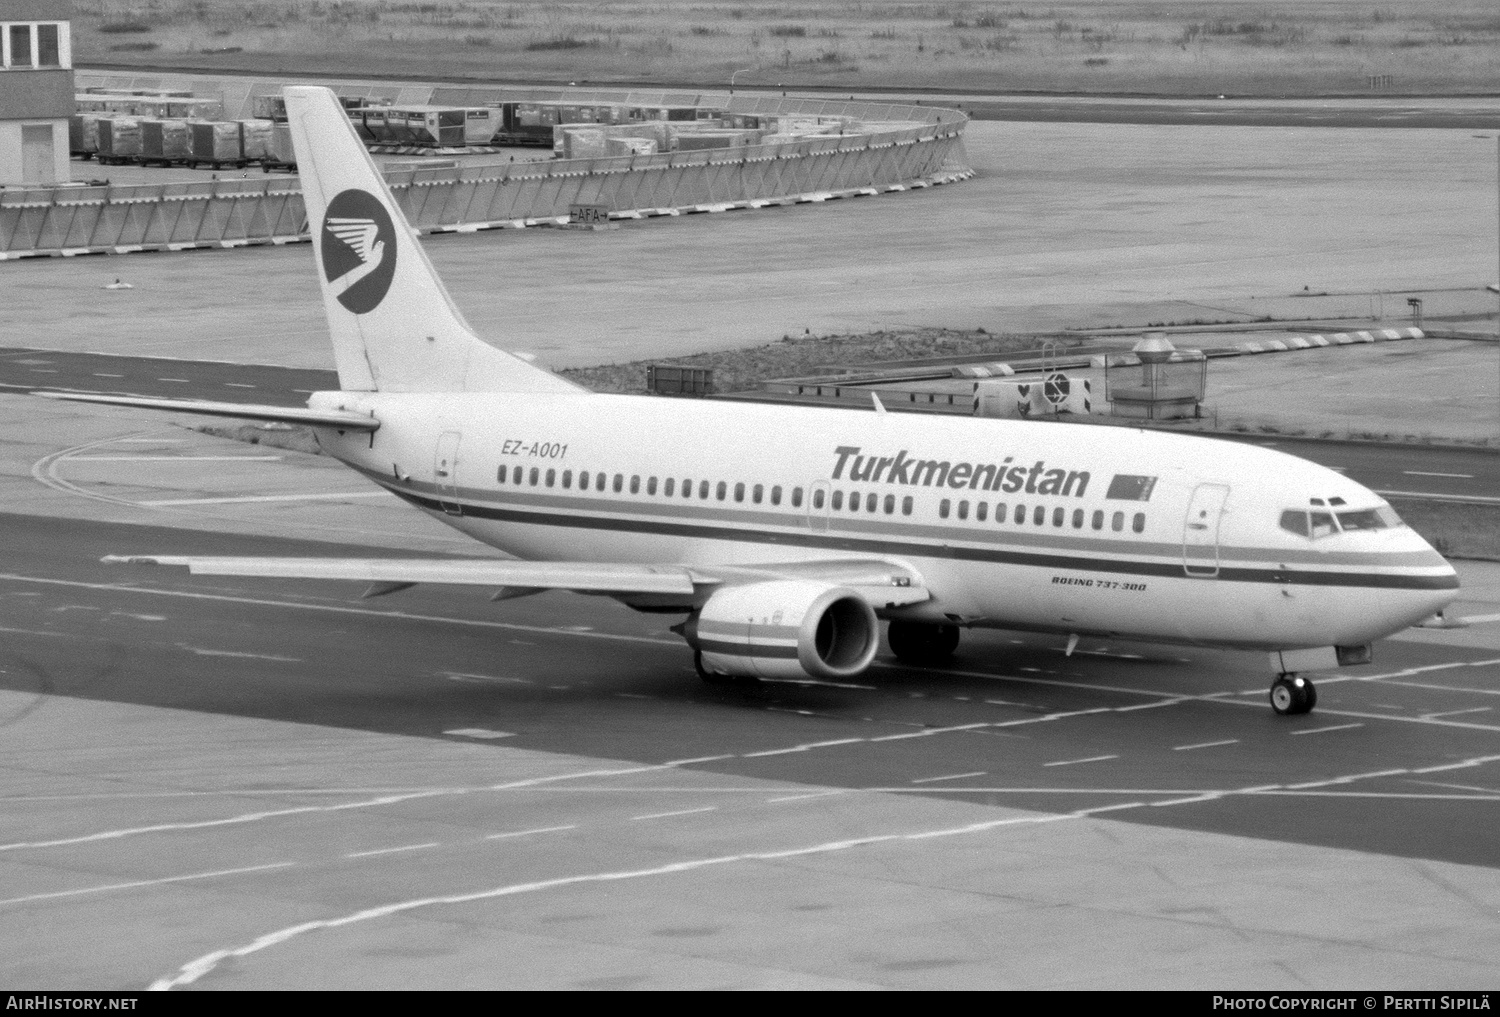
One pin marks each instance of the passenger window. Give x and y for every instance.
(776, 495)
(757, 492)
(668, 487)
(1059, 516)
(583, 480)
(1098, 523)
(500, 475)
(703, 489)
(619, 482)
(817, 499)
(1020, 516)
(1078, 519)
(1294, 521)
(943, 507)
(906, 505)
(1322, 524)
(567, 478)
(721, 491)
(551, 477)
(534, 474)
(635, 483)
(1000, 512)
(602, 480)
(890, 504)
(1138, 524)
(739, 492)
(963, 510)
(1117, 522)
(981, 510)
(1039, 516)
(838, 500)
(651, 485)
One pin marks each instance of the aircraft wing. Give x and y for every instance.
(245, 411)
(882, 584)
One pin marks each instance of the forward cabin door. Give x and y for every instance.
(1200, 538)
(445, 472)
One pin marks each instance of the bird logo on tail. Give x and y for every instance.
(358, 250)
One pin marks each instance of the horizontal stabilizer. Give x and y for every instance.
(245, 411)
(586, 577)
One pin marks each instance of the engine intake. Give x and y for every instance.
(789, 628)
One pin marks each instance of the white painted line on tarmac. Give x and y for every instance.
(151, 441)
(245, 499)
(801, 748)
(392, 850)
(927, 732)
(461, 676)
(1458, 787)
(237, 384)
(100, 374)
(805, 797)
(1321, 730)
(1464, 764)
(679, 812)
(199, 651)
(178, 381)
(145, 882)
(1455, 713)
(1205, 745)
(1423, 473)
(173, 459)
(1089, 759)
(1348, 779)
(948, 776)
(479, 732)
(698, 759)
(528, 833)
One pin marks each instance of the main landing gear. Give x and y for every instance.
(1292, 694)
(922, 643)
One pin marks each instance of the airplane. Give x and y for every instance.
(784, 535)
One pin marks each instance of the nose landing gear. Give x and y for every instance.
(1292, 694)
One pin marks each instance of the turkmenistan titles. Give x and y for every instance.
(902, 468)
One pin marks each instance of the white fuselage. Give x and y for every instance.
(1105, 531)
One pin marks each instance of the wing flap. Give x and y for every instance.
(584, 577)
(245, 411)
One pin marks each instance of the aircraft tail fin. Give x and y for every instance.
(393, 325)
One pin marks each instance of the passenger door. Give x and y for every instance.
(1200, 537)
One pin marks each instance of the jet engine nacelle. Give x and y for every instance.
(789, 628)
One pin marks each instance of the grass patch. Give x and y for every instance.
(1238, 47)
(1455, 529)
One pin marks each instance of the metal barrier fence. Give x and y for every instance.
(232, 213)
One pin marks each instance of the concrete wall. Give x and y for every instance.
(53, 166)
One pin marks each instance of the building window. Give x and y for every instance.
(31, 46)
(20, 46)
(48, 46)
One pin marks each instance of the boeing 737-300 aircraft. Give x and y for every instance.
(781, 533)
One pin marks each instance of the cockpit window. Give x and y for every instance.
(1294, 520)
(1322, 524)
(1382, 518)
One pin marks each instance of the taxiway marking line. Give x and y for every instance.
(1455, 713)
(392, 850)
(679, 812)
(247, 656)
(101, 374)
(528, 833)
(802, 748)
(179, 381)
(1090, 759)
(335, 609)
(1423, 473)
(173, 459)
(247, 499)
(949, 776)
(145, 882)
(1321, 730)
(1205, 745)
(805, 797)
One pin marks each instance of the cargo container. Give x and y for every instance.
(119, 139)
(255, 139)
(630, 146)
(685, 381)
(671, 113)
(428, 126)
(269, 107)
(481, 124)
(282, 156)
(215, 143)
(165, 142)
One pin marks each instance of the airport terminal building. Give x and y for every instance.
(36, 91)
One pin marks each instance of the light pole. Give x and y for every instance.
(742, 70)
